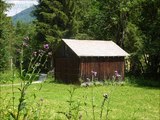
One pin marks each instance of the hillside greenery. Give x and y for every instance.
(25, 16)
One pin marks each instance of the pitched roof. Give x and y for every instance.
(95, 48)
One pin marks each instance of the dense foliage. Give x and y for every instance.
(150, 28)
(132, 24)
(5, 37)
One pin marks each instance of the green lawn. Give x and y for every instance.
(125, 102)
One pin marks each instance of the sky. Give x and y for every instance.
(19, 5)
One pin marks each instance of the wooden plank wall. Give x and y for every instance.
(104, 66)
(67, 70)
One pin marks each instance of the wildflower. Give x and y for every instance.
(41, 52)
(105, 96)
(46, 46)
(94, 73)
(26, 38)
(117, 74)
(25, 44)
(37, 64)
(49, 53)
(34, 53)
(88, 79)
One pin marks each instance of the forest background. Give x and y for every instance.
(133, 24)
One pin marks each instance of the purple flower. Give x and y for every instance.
(46, 46)
(117, 74)
(94, 73)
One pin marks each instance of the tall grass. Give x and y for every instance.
(127, 101)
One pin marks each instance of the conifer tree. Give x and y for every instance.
(5, 36)
(71, 25)
(51, 21)
(55, 20)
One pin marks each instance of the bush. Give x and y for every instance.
(142, 81)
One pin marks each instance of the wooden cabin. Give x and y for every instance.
(77, 60)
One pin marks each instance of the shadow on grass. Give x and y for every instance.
(143, 81)
(139, 81)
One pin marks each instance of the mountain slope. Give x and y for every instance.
(25, 16)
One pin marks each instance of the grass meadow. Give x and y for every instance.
(50, 101)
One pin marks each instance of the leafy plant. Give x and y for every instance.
(27, 76)
(74, 107)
